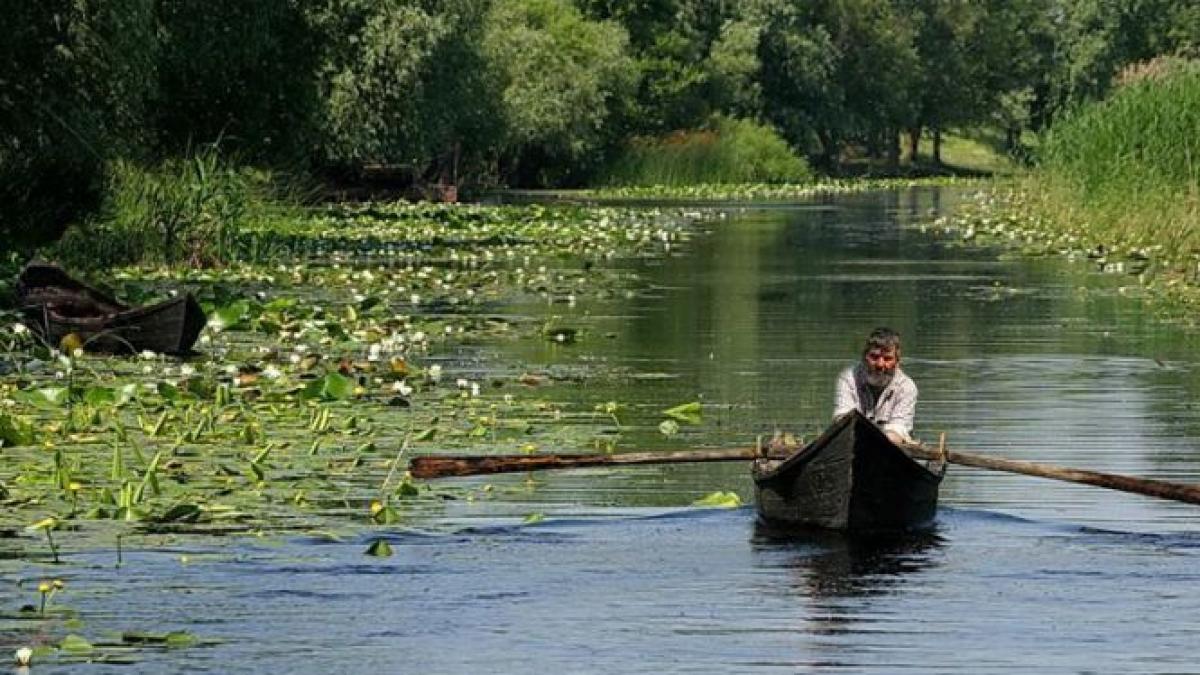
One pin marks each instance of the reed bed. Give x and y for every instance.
(1126, 170)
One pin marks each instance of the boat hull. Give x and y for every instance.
(851, 478)
(56, 306)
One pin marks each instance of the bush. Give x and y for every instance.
(733, 151)
(188, 209)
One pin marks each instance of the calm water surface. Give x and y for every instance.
(1015, 358)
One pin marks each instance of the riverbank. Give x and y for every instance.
(1028, 216)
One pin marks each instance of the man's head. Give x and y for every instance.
(881, 356)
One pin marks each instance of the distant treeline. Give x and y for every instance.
(526, 92)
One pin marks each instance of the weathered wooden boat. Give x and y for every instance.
(56, 305)
(850, 478)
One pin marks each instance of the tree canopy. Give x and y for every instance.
(534, 92)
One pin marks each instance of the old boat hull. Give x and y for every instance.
(57, 306)
(850, 478)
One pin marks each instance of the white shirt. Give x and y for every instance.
(894, 409)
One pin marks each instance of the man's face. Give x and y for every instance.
(881, 365)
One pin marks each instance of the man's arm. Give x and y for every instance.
(845, 395)
(903, 414)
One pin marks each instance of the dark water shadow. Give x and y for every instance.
(829, 564)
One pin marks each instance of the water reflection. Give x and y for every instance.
(826, 564)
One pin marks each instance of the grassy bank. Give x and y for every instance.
(1126, 170)
(1117, 184)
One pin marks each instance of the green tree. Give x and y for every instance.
(404, 83)
(733, 67)
(239, 72)
(557, 73)
(1097, 38)
(979, 63)
(76, 80)
(836, 72)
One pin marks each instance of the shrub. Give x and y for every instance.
(732, 151)
(187, 210)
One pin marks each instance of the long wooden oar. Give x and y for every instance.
(1180, 492)
(466, 465)
(470, 465)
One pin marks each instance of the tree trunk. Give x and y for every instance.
(914, 143)
(893, 148)
(937, 146)
(829, 151)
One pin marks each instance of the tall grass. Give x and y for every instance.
(187, 210)
(732, 151)
(1128, 168)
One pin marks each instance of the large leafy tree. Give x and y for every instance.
(1098, 37)
(835, 72)
(558, 75)
(76, 79)
(239, 72)
(403, 83)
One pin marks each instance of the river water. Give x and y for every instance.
(1029, 359)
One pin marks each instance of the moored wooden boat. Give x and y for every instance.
(850, 478)
(55, 305)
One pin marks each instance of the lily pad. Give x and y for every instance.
(688, 413)
(379, 548)
(75, 644)
(723, 500)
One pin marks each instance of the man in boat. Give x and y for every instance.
(878, 389)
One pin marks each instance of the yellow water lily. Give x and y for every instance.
(70, 342)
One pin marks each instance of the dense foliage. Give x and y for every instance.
(527, 92)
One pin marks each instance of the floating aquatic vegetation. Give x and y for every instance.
(724, 500)
(379, 548)
(332, 344)
(767, 191)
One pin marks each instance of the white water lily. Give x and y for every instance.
(474, 388)
(19, 329)
(462, 383)
(23, 656)
(435, 372)
(402, 387)
(147, 355)
(272, 373)
(187, 370)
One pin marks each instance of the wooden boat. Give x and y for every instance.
(56, 305)
(850, 478)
